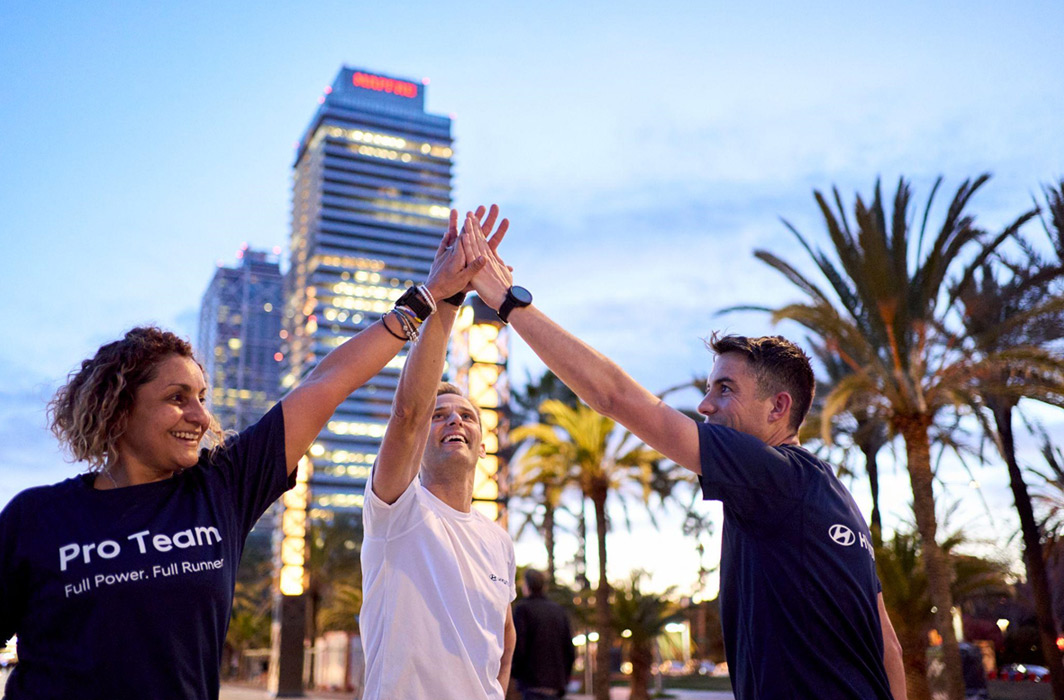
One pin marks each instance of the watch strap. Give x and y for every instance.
(412, 300)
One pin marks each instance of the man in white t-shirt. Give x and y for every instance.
(438, 577)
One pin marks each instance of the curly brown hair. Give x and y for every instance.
(88, 414)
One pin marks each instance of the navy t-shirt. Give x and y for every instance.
(798, 596)
(127, 593)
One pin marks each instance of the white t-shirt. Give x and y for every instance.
(436, 585)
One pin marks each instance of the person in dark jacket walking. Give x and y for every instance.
(544, 655)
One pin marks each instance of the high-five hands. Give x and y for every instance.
(455, 263)
(494, 277)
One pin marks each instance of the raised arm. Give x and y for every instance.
(308, 406)
(596, 379)
(399, 458)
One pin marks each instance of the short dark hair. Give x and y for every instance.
(536, 581)
(778, 365)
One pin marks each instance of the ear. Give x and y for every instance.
(781, 407)
(483, 451)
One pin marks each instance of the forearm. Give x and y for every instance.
(892, 653)
(421, 373)
(595, 378)
(509, 643)
(505, 666)
(308, 406)
(504, 676)
(892, 660)
(353, 363)
(399, 457)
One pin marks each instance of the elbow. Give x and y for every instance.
(403, 412)
(607, 399)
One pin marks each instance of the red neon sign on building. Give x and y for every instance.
(382, 84)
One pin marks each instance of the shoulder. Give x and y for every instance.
(44, 499)
(493, 531)
(492, 527)
(48, 492)
(812, 463)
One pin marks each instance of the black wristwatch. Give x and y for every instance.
(516, 298)
(412, 300)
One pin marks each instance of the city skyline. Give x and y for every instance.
(641, 154)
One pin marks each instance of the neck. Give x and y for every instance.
(119, 474)
(458, 494)
(791, 439)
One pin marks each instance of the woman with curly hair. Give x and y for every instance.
(119, 582)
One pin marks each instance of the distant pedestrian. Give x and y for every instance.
(544, 655)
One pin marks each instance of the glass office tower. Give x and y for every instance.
(371, 195)
(239, 338)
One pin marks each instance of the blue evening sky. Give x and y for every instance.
(641, 151)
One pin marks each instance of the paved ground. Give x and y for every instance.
(240, 693)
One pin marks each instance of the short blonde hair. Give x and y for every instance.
(89, 413)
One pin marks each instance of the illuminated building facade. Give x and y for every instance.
(370, 202)
(239, 338)
(479, 351)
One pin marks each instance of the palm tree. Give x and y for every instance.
(887, 319)
(905, 593)
(340, 611)
(249, 623)
(334, 546)
(541, 476)
(602, 463)
(642, 616)
(1000, 315)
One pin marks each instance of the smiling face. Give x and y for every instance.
(167, 422)
(454, 435)
(733, 398)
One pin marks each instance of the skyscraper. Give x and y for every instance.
(239, 338)
(370, 200)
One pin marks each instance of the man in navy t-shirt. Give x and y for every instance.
(801, 605)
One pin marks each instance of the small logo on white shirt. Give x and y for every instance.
(842, 535)
(499, 579)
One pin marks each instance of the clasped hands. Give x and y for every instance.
(469, 261)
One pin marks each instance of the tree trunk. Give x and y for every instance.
(581, 555)
(602, 600)
(313, 607)
(914, 659)
(641, 657)
(915, 428)
(871, 435)
(872, 467)
(1032, 548)
(548, 535)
